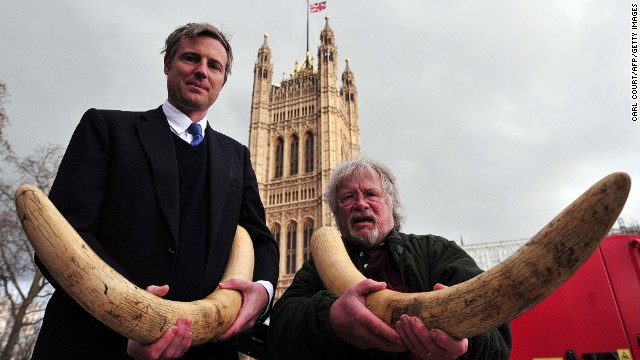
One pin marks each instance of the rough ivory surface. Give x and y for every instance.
(112, 299)
(507, 290)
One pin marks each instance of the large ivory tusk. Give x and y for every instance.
(507, 290)
(112, 299)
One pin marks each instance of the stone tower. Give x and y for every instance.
(300, 130)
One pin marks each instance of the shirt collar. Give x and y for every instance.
(178, 121)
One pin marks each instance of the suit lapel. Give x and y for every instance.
(157, 140)
(219, 179)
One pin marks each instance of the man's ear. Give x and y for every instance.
(166, 65)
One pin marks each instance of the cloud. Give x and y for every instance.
(494, 115)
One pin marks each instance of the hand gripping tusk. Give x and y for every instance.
(125, 308)
(507, 290)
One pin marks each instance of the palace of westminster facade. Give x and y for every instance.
(300, 130)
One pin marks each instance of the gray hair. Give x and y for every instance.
(349, 167)
(192, 30)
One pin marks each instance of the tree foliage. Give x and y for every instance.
(23, 289)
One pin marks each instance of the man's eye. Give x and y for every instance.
(349, 198)
(189, 58)
(215, 66)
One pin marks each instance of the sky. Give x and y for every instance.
(494, 115)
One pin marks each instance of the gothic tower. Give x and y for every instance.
(300, 130)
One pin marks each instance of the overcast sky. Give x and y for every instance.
(494, 115)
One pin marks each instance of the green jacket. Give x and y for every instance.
(299, 325)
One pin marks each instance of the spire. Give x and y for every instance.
(328, 54)
(348, 80)
(327, 38)
(327, 29)
(305, 68)
(307, 64)
(262, 70)
(348, 91)
(264, 53)
(347, 70)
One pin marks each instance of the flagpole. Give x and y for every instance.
(307, 26)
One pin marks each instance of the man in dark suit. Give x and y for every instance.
(160, 203)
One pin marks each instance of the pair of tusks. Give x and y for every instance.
(504, 292)
(125, 308)
(484, 302)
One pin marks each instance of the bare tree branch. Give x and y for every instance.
(23, 290)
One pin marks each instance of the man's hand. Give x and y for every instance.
(254, 301)
(353, 323)
(173, 343)
(431, 344)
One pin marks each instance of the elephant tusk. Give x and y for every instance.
(122, 306)
(504, 292)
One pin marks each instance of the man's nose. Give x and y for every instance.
(202, 69)
(361, 202)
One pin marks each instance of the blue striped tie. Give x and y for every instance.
(195, 130)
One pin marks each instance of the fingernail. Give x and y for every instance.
(435, 333)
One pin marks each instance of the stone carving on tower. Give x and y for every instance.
(300, 130)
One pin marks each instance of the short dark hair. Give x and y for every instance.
(198, 29)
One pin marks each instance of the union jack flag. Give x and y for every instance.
(317, 6)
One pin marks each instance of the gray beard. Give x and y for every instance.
(366, 241)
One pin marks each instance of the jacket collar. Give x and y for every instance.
(220, 174)
(156, 137)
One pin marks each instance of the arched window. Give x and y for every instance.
(308, 232)
(291, 248)
(293, 156)
(279, 158)
(308, 152)
(275, 230)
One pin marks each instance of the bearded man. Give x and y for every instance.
(311, 322)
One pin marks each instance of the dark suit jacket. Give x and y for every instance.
(118, 187)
